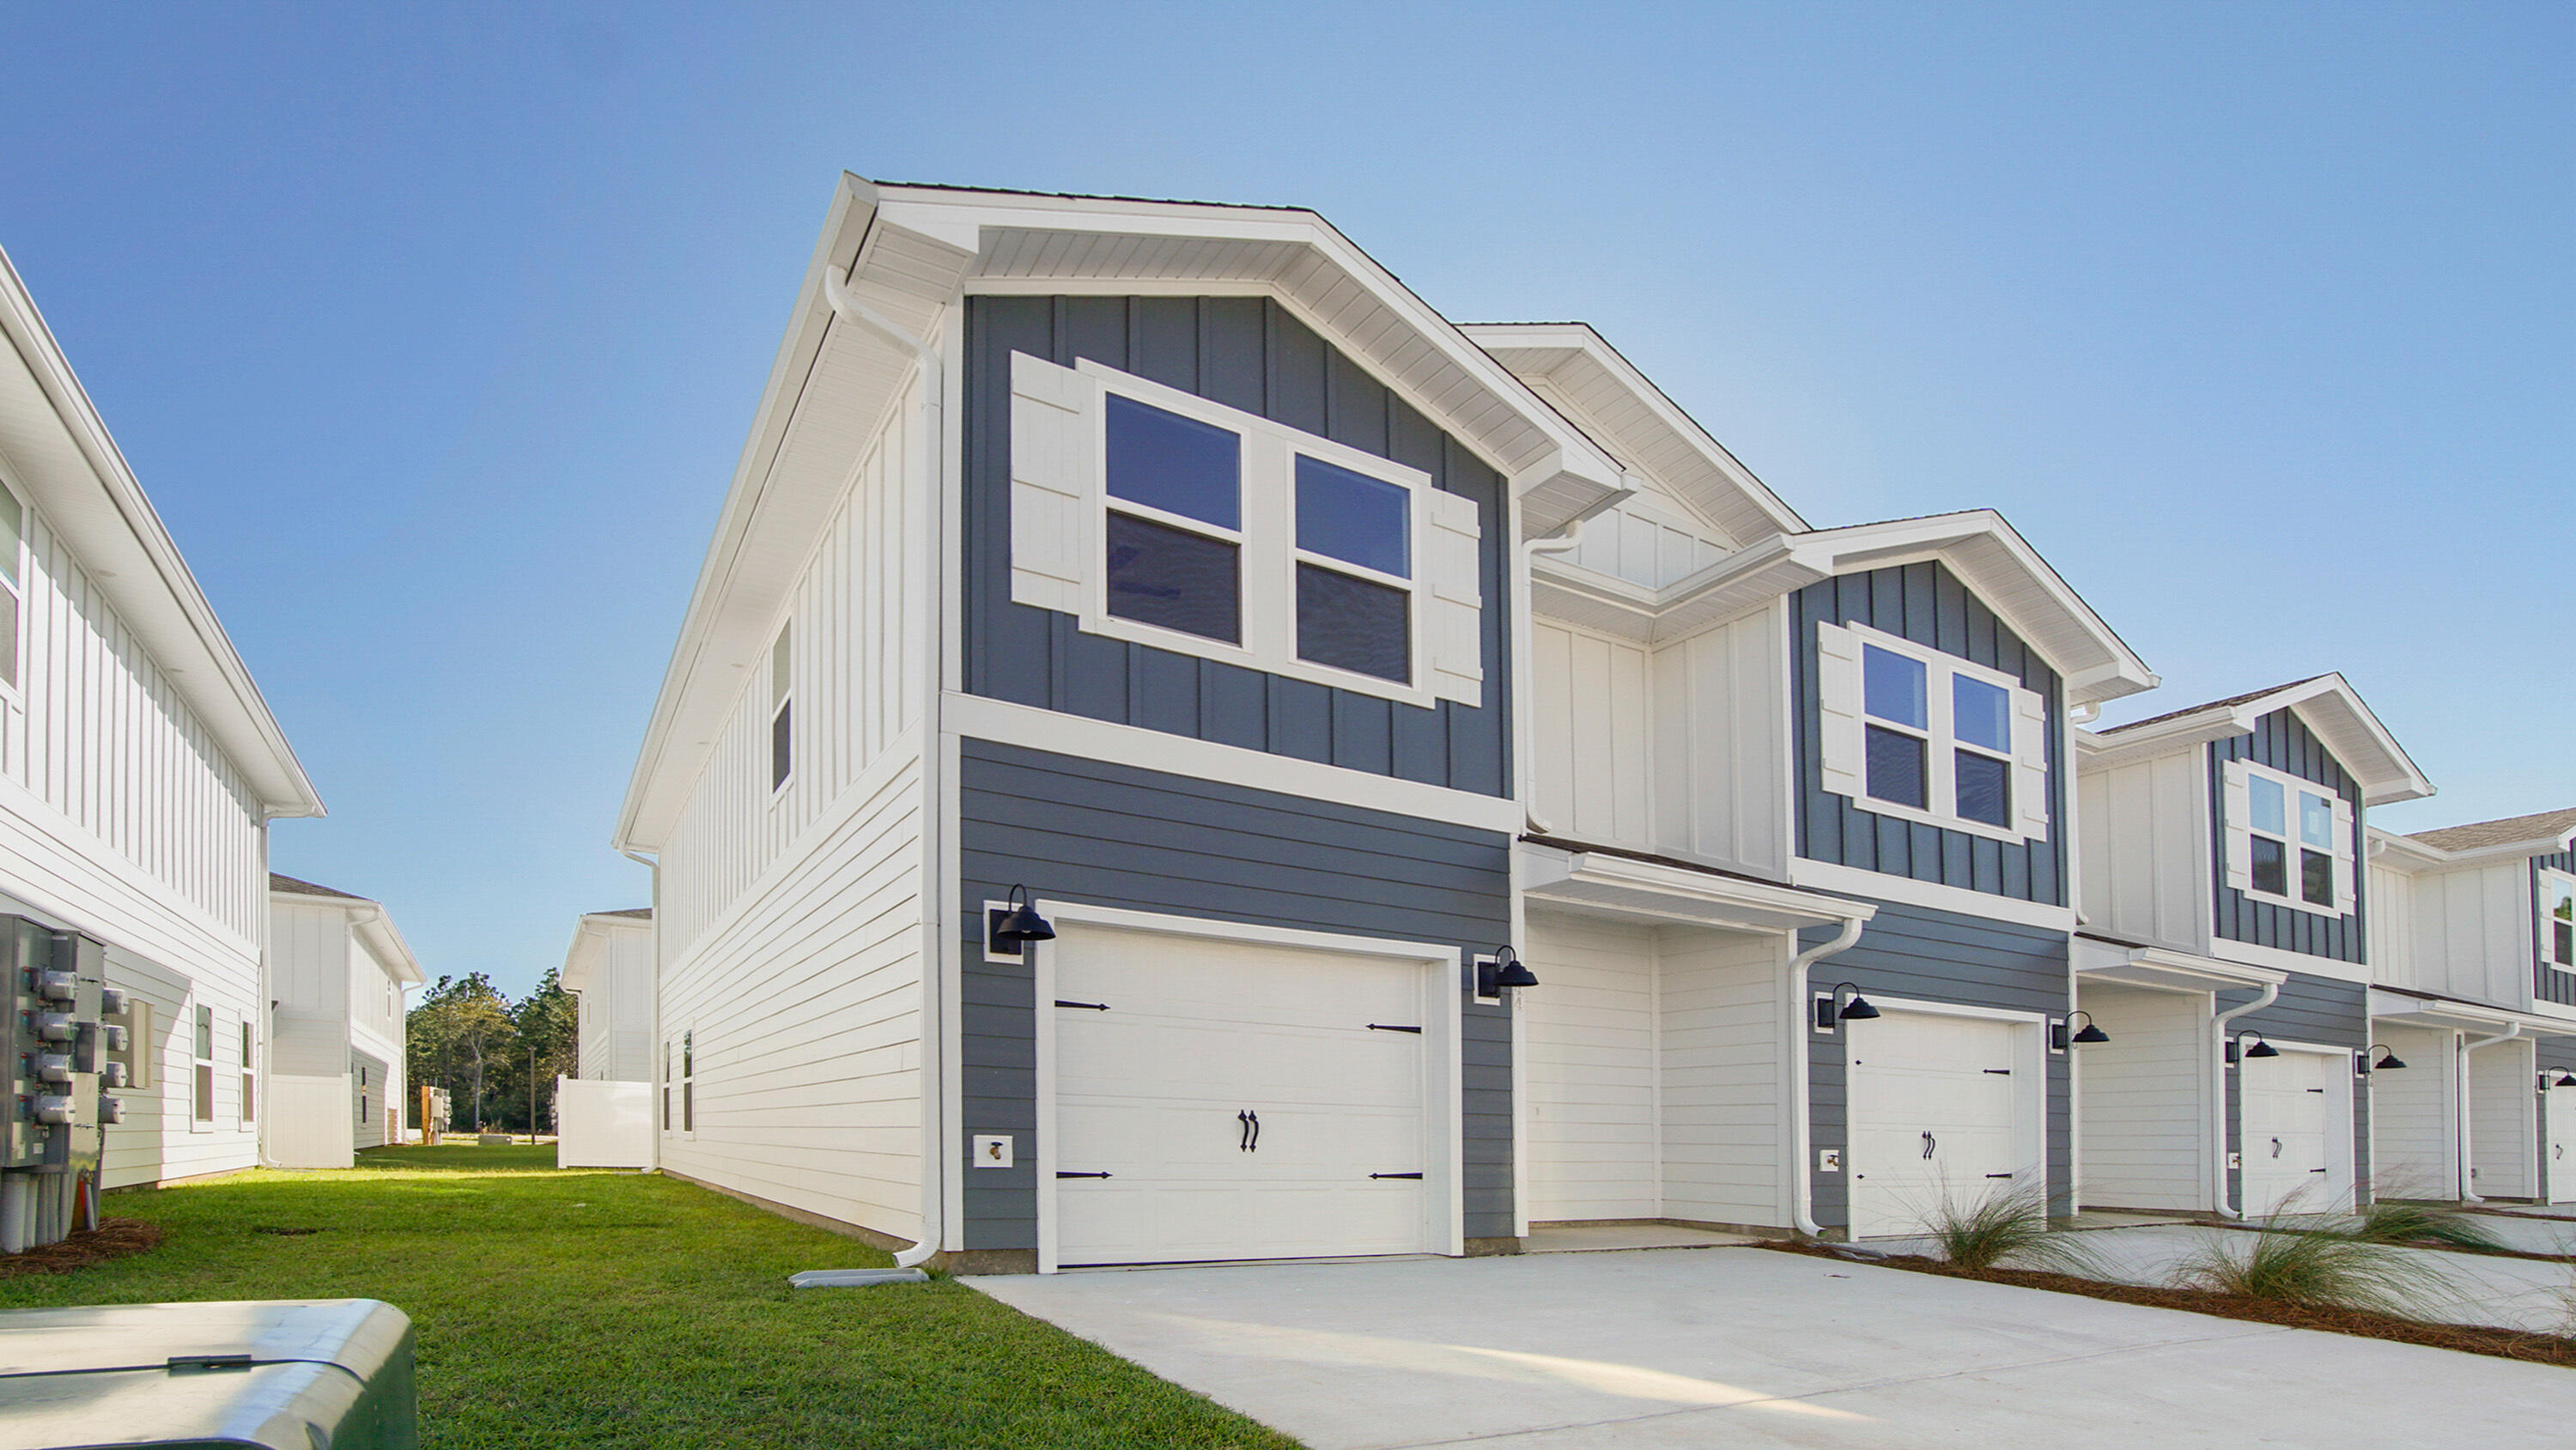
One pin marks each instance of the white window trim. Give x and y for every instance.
(1941, 740)
(213, 1074)
(1057, 552)
(14, 581)
(2240, 833)
(2540, 905)
(780, 698)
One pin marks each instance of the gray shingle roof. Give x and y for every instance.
(2229, 702)
(292, 886)
(638, 913)
(2499, 833)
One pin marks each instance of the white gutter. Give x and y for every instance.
(1801, 1189)
(1524, 690)
(2467, 1166)
(2217, 1138)
(935, 1146)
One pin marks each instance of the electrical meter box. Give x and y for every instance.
(54, 1040)
(327, 1374)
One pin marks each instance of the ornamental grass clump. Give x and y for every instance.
(2318, 1270)
(2423, 1223)
(2010, 1224)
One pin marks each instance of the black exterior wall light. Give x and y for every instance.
(1504, 970)
(2565, 1079)
(2388, 1061)
(1010, 927)
(1833, 1011)
(2085, 1036)
(2237, 1051)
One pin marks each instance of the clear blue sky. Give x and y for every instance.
(434, 332)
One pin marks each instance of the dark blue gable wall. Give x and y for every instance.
(2281, 741)
(1927, 604)
(1248, 353)
(2548, 984)
(2324, 1010)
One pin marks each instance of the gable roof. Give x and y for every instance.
(59, 453)
(1987, 554)
(366, 916)
(1576, 369)
(2328, 704)
(288, 886)
(877, 292)
(2545, 833)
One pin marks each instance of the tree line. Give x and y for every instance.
(498, 1059)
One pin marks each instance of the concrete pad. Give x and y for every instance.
(2543, 1210)
(1743, 1347)
(1593, 1238)
(2505, 1293)
(2531, 1235)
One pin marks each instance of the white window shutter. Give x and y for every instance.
(1844, 748)
(2030, 763)
(2343, 857)
(1055, 425)
(1454, 598)
(2240, 846)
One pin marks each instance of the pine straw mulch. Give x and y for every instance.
(113, 1239)
(2557, 1349)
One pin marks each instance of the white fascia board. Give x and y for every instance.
(2102, 751)
(2163, 969)
(61, 454)
(2334, 709)
(1503, 338)
(1652, 891)
(590, 938)
(390, 949)
(2453, 1014)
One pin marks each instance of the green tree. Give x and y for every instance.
(462, 1028)
(544, 1045)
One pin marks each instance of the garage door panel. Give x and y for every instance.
(1198, 1032)
(2286, 1137)
(1935, 1113)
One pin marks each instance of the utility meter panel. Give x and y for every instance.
(52, 1126)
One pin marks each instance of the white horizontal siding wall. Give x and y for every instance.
(2473, 930)
(310, 956)
(2413, 1116)
(1721, 756)
(805, 1010)
(855, 695)
(1725, 1078)
(616, 1013)
(1593, 716)
(1591, 1070)
(2391, 938)
(2504, 1126)
(2144, 829)
(2143, 1099)
(160, 1137)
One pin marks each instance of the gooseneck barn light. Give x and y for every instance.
(1833, 1010)
(1504, 969)
(2388, 1058)
(2085, 1036)
(1009, 928)
(2237, 1051)
(2565, 1079)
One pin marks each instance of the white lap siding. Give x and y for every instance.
(1590, 1040)
(2143, 1100)
(2412, 1116)
(1724, 1082)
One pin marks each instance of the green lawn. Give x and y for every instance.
(584, 1308)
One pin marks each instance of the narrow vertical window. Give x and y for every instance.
(247, 1074)
(2267, 819)
(13, 530)
(205, 1058)
(1981, 722)
(782, 729)
(688, 1082)
(666, 1087)
(2558, 919)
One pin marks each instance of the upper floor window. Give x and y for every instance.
(2558, 920)
(2289, 841)
(1912, 732)
(782, 724)
(1160, 517)
(13, 530)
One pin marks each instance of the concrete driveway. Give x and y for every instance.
(1743, 1347)
(2459, 1289)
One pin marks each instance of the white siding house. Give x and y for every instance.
(609, 971)
(139, 767)
(337, 973)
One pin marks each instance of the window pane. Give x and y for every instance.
(1174, 578)
(2271, 866)
(2566, 941)
(781, 665)
(2316, 878)
(1985, 788)
(13, 525)
(1353, 517)
(2264, 796)
(2316, 820)
(205, 1032)
(8, 637)
(1354, 624)
(782, 745)
(1176, 464)
(1981, 714)
(1892, 687)
(1896, 768)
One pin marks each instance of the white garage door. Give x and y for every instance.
(1937, 1109)
(2289, 1120)
(2560, 1150)
(1223, 1100)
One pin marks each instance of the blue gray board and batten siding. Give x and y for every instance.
(1927, 604)
(2547, 983)
(1247, 353)
(2281, 741)
(1928, 955)
(1113, 835)
(2322, 1010)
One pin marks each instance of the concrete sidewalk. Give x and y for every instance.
(2475, 1289)
(1743, 1347)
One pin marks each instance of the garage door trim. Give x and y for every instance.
(1443, 986)
(2030, 1088)
(2343, 1173)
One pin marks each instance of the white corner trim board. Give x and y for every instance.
(1006, 723)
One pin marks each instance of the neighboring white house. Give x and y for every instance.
(139, 767)
(337, 972)
(604, 1111)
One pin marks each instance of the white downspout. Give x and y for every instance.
(2218, 1098)
(2468, 1160)
(934, 1136)
(1524, 689)
(1801, 1211)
